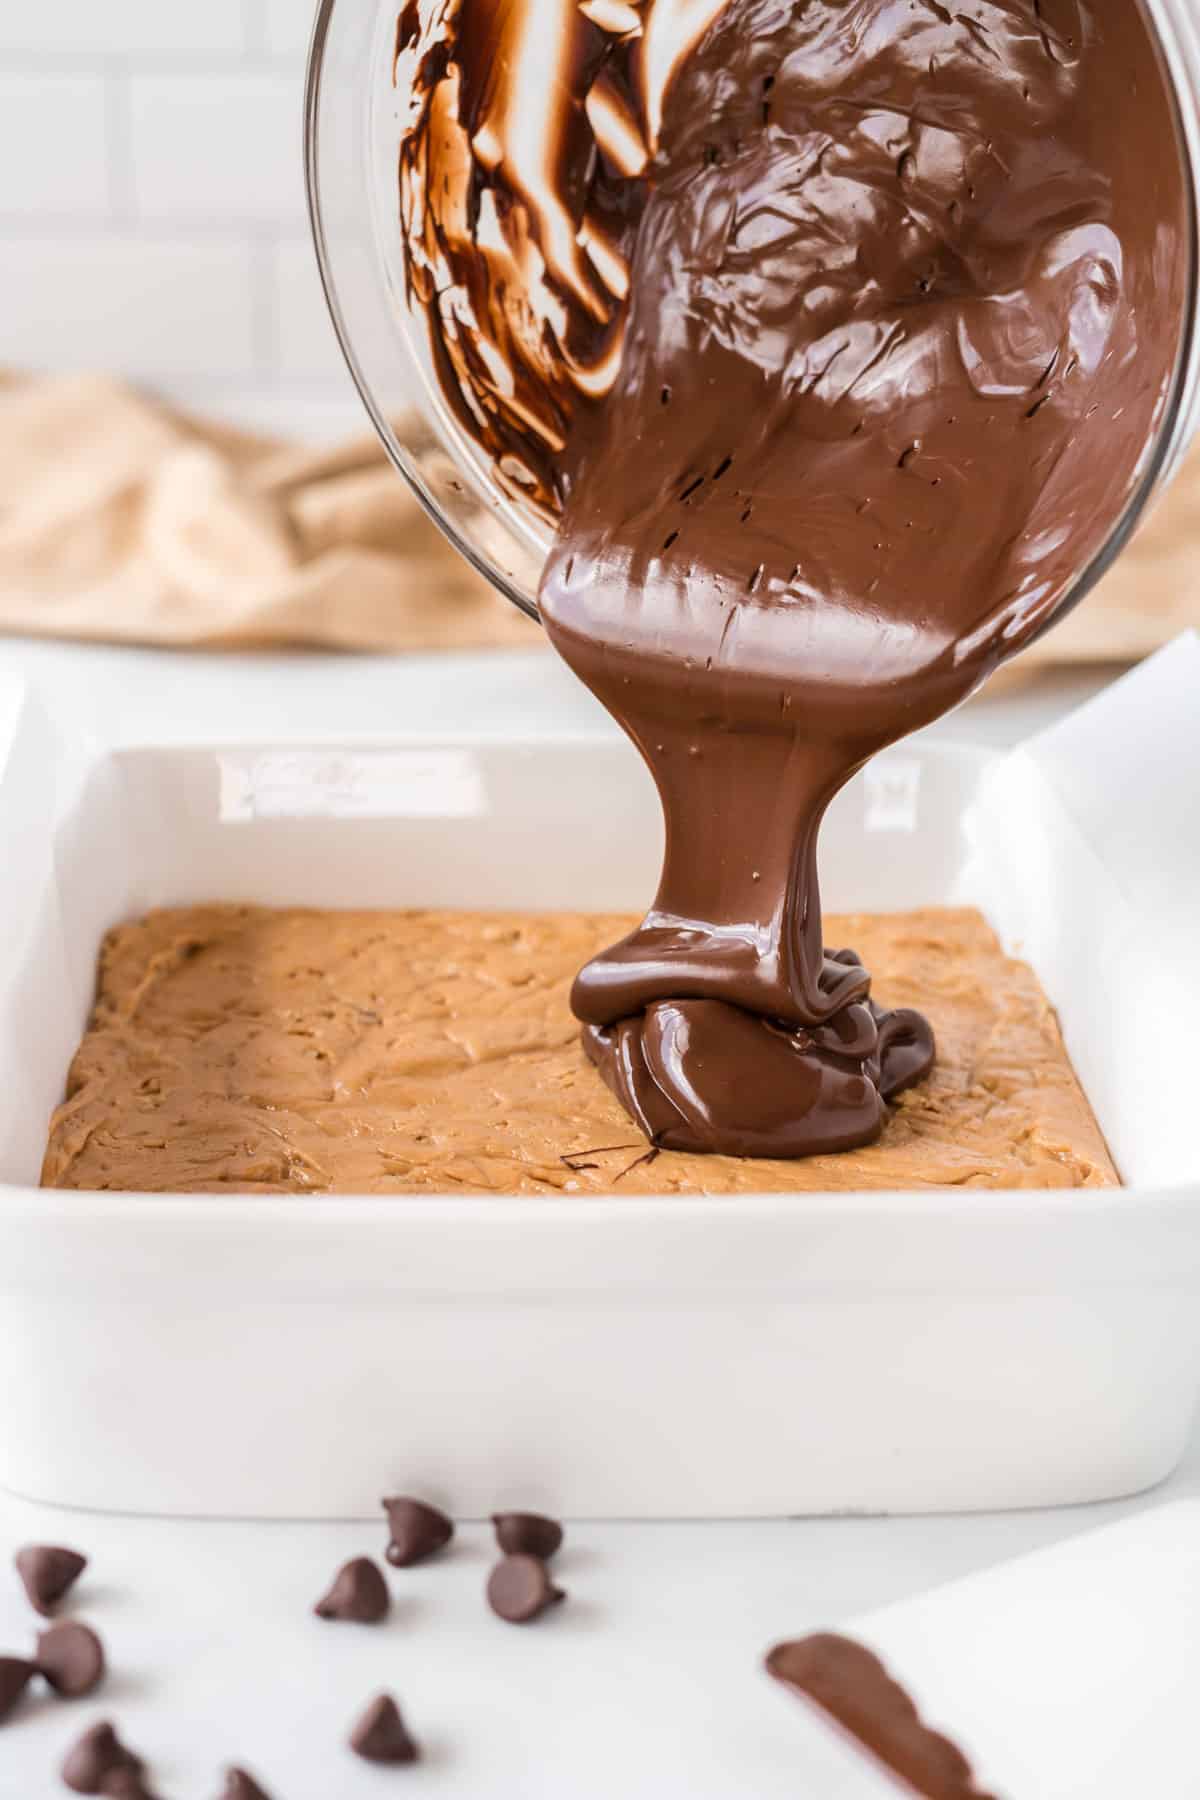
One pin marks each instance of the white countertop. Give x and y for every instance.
(645, 1684)
(126, 696)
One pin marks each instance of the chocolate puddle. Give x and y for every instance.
(833, 335)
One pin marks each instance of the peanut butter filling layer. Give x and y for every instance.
(241, 1049)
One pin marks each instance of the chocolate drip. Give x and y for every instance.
(701, 1075)
(897, 293)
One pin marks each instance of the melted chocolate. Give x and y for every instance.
(834, 335)
(851, 1686)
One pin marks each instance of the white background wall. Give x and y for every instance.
(152, 209)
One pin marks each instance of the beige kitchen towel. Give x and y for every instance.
(121, 520)
(1151, 593)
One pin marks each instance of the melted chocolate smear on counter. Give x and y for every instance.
(831, 337)
(852, 1688)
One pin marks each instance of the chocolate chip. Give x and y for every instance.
(380, 1736)
(359, 1593)
(519, 1588)
(47, 1571)
(15, 1676)
(417, 1531)
(240, 1786)
(125, 1783)
(96, 1756)
(527, 1534)
(71, 1658)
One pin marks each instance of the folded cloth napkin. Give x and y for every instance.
(122, 520)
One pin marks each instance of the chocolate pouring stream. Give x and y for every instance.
(832, 335)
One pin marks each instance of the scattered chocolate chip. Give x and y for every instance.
(125, 1783)
(240, 1786)
(380, 1736)
(527, 1534)
(15, 1676)
(95, 1757)
(417, 1531)
(519, 1588)
(359, 1593)
(71, 1658)
(47, 1571)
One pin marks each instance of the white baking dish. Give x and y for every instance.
(612, 1357)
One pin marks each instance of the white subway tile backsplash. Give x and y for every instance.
(122, 27)
(217, 147)
(54, 145)
(307, 345)
(289, 25)
(119, 303)
(152, 218)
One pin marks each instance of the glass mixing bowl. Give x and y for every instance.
(352, 132)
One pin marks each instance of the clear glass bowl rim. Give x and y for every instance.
(1177, 29)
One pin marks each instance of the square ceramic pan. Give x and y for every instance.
(298, 1356)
